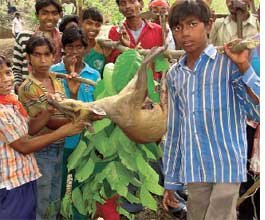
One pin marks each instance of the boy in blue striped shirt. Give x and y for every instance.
(210, 96)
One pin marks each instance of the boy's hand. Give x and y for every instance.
(71, 128)
(169, 200)
(124, 36)
(69, 62)
(240, 58)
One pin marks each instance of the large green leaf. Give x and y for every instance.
(161, 64)
(102, 144)
(66, 207)
(78, 201)
(125, 68)
(107, 76)
(153, 187)
(98, 126)
(85, 171)
(75, 158)
(145, 169)
(125, 213)
(152, 94)
(149, 153)
(147, 199)
(127, 159)
(99, 89)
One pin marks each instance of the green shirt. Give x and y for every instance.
(95, 60)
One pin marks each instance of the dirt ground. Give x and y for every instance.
(6, 47)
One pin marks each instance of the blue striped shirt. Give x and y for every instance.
(208, 106)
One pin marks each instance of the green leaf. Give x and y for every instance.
(125, 68)
(149, 154)
(75, 158)
(78, 201)
(98, 126)
(98, 198)
(125, 213)
(66, 207)
(145, 169)
(102, 144)
(132, 198)
(152, 94)
(153, 187)
(161, 64)
(107, 76)
(127, 159)
(99, 89)
(85, 171)
(147, 199)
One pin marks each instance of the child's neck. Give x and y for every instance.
(79, 66)
(134, 23)
(40, 75)
(193, 57)
(91, 43)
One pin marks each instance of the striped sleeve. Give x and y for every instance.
(172, 153)
(20, 63)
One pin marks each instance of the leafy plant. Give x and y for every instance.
(107, 161)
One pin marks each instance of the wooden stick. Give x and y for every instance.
(174, 54)
(251, 190)
(78, 79)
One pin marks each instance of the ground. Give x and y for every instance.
(6, 47)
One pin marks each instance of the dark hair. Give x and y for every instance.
(44, 3)
(3, 60)
(118, 1)
(17, 14)
(184, 8)
(39, 40)
(66, 20)
(93, 14)
(73, 34)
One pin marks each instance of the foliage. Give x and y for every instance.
(107, 161)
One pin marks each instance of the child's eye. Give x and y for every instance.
(193, 24)
(177, 28)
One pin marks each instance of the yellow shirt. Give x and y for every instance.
(225, 30)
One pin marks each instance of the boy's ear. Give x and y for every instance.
(209, 25)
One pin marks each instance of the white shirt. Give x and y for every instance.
(16, 25)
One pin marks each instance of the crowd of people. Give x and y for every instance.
(213, 113)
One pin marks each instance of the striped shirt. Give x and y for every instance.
(33, 96)
(16, 168)
(208, 106)
(20, 62)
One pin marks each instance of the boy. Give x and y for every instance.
(18, 167)
(210, 96)
(16, 25)
(74, 44)
(68, 8)
(91, 23)
(34, 93)
(48, 14)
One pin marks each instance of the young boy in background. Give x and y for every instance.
(18, 167)
(91, 22)
(210, 97)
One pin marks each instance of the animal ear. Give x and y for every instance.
(98, 111)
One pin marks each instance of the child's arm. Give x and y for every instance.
(241, 60)
(26, 145)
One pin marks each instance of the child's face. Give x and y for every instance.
(6, 79)
(130, 8)
(91, 28)
(48, 18)
(75, 49)
(191, 34)
(41, 59)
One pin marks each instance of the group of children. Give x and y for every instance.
(210, 97)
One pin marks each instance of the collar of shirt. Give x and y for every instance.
(209, 51)
(149, 24)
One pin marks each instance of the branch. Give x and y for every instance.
(249, 43)
(78, 79)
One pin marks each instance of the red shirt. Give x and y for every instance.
(150, 36)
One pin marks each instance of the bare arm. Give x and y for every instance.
(26, 145)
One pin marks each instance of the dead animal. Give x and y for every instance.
(142, 121)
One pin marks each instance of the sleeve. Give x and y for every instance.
(8, 131)
(172, 153)
(18, 62)
(33, 103)
(251, 80)
(114, 36)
